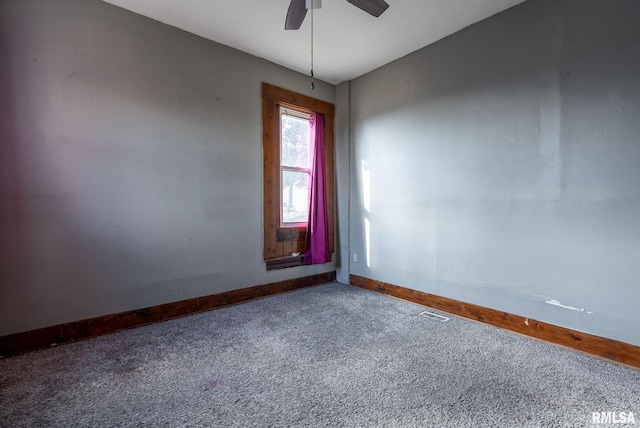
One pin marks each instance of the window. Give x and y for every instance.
(295, 167)
(286, 119)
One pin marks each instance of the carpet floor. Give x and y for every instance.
(325, 356)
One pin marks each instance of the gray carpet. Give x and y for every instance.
(332, 355)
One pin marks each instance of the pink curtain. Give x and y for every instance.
(317, 241)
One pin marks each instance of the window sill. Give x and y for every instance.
(284, 262)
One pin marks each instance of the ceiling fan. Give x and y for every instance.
(298, 10)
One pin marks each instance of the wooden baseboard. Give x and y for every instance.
(70, 332)
(620, 352)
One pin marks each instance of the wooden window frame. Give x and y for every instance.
(280, 243)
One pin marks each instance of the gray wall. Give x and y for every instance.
(130, 163)
(504, 166)
(343, 160)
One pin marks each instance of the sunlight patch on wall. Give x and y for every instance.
(366, 203)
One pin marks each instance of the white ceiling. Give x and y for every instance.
(347, 41)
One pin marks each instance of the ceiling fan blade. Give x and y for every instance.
(373, 7)
(295, 15)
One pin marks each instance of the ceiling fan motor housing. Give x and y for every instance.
(298, 10)
(313, 4)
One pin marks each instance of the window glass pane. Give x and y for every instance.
(294, 141)
(295, 197)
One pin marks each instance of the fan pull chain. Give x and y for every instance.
(312, 83)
